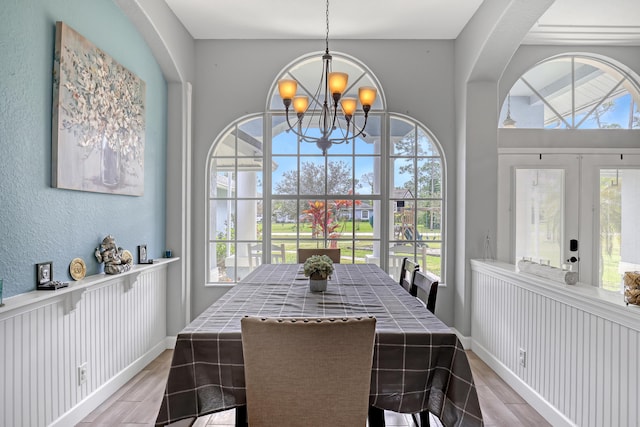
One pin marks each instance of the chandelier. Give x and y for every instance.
(509, 122)
(329, 94)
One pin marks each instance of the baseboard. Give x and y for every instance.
(465, 341)
(544, 408)
(95, 399)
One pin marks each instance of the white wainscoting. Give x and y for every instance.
(582, 345)
(113, 324)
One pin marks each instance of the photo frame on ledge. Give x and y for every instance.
(44, 277)
(143, 255)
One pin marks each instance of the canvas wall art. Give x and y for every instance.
(98, 133)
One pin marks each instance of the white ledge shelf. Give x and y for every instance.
(72, 294)
(606, 304)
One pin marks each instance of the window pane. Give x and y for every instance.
(249, 138)
(619, 226)
(369, 143)
(540, 214)
(312, 175)
(425, 146)
(282, 142)
(402, 170)
(222, 178)
(283, 212)
(247, 216)
(222, 261)
(367, 175)
(430, 220)
(285, 175)
(403, 137)
(222, 219)
(249, 177)
(404, 219)
(552, 81)
(429, 177)
(614, 113)
(226, 147)
(340, 176)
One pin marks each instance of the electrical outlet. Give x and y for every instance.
(82, 373)
(522, 357)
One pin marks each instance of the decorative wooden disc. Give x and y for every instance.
(78, 269)
(126, 257)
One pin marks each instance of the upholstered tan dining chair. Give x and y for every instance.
(304, 253)
(312, 372)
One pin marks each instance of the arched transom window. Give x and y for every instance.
(573, 92)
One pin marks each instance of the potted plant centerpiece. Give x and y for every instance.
(318, 268)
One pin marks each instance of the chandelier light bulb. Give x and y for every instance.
(287, 88)
(300, 104)
(367, 96)
(338, 82)
(348, 106)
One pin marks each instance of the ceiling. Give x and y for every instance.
(613, 22)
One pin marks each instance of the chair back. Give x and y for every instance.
(407, 270)
(427, 283)
(278, 255)
(305, 253)
(307, 371)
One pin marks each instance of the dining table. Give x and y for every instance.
(418, 363)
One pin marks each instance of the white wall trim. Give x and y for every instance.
(95, 399)
(579, 342)
(548, 411)
(113, 325)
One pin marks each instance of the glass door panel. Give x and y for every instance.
(539, 215)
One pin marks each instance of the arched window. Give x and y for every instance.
(573, 92)
(379, 198)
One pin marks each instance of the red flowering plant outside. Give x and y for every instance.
(326, 222)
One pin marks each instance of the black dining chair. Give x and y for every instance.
(427, 283)
(406, 273)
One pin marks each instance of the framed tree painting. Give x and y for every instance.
(98, 125)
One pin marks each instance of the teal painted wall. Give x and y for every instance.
(39, 223)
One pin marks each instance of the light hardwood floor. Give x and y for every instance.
(137, 402)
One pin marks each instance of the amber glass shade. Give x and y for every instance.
(300, 104)
(367, 95)
(338, 82)
(287, 88)
(348, 106)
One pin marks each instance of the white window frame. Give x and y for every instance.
(582, 210)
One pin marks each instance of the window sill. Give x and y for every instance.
(606, 304)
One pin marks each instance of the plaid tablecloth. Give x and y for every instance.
(419, 364)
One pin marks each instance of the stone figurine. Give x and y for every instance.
(115, 259)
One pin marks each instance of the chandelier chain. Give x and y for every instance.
(327, 35)
(331, 87)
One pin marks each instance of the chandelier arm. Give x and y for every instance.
(357, 131)
(294, 128)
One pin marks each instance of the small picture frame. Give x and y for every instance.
(44, 273)
(143, 255)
